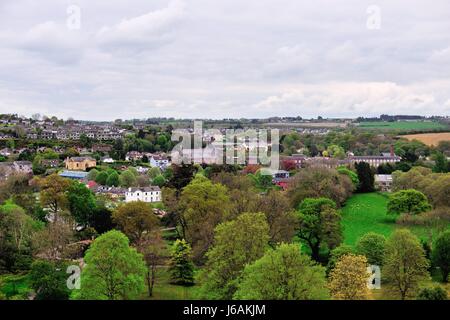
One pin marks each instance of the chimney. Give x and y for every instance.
(392, 150)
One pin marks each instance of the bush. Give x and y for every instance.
(433, 293)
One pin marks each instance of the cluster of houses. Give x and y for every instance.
(48, 129)
(302, 161)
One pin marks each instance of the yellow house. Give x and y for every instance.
(80, 163)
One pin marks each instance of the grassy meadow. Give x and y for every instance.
(403, 125)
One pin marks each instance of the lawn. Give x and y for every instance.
(163, 290)
(367, 212)
(403, 125)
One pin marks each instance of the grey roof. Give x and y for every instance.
(74, 174)
(145, 189)
(79, 159)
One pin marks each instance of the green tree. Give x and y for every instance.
(408, 201)
(336, 254)
(236, 243)
(181, 267)
(159, 181)
(371, 245)
(283, 274)
(81, 203)
(319, 182)
(53, 194)
(154, 172)
(135, 219)
(440, 162)
(203, 206)
(113, 270)
(441, 254)
(48, 280)
(113, 179)
(351, 174)
(365, 177)
(101, 178)
(319, 225)
(127, 179)
(92, 175)
(405, 264)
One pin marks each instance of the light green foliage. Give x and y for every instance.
(351, 174)
(408, 201)
(203, 206)
(181, 267)
(371, 245)
(127, 179)
(283, 274)
(113, 179)
(236, 243)
(113, 271)
(336, 151)
(154, 172)
(336, 254)
(159, 181)
(405, 264)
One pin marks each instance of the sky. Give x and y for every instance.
(110, 59)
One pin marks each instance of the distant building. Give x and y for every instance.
(80, 163)
(107, 160)
(383, 182)
(147, 194)
(133, 156)
(76, 175)
(9, 168)
(159, 161)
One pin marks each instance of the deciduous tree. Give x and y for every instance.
(113, 271)
(405, 264)
(236, 243)
(135, 219)
(283, 273)
(348, 280)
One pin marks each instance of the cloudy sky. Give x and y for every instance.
(224, 58)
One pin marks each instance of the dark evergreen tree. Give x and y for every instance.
(366, 177)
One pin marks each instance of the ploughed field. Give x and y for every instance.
(430, 139)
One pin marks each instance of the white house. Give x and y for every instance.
(147, 194)
(159, 161)
(107, 160)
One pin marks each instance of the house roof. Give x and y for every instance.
(80, 159)
(145, 189)
(74, 174)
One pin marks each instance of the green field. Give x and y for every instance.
(367, 212)
(403, 125)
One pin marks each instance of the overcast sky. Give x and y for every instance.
(224, 58)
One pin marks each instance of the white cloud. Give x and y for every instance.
(223, 58)
(143, 31)
(348, 99)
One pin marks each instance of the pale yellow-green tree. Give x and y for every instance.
(348, 279)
